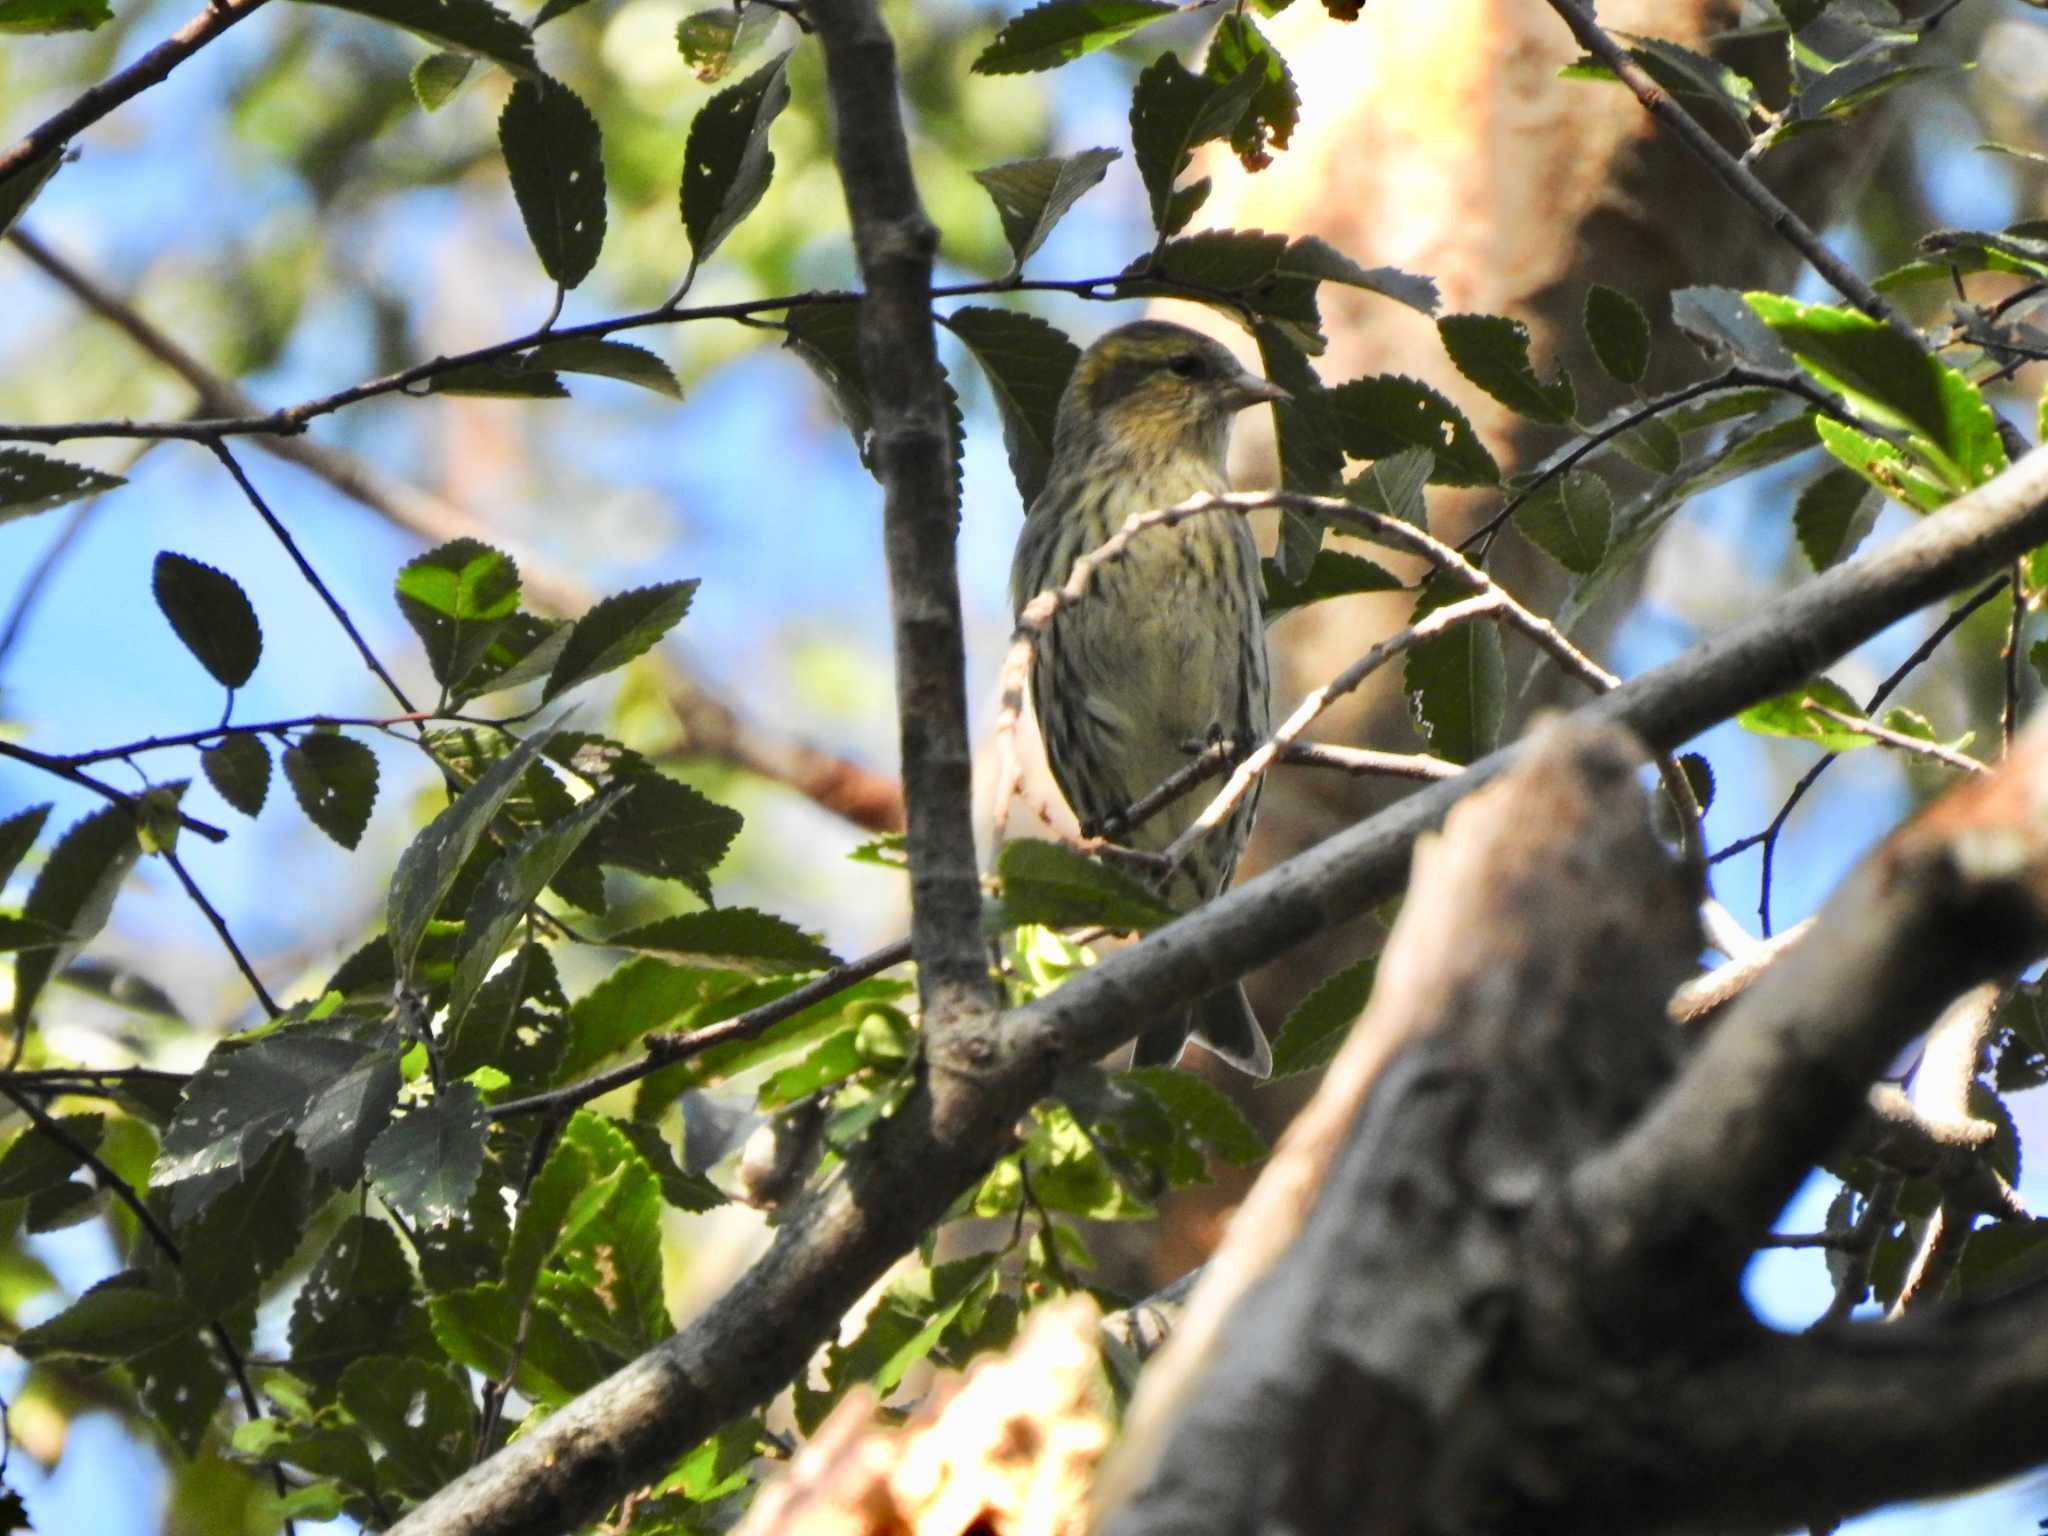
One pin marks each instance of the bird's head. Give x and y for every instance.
(1154, 389)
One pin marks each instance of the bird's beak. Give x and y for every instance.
(1249, 389)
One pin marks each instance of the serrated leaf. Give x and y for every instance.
(421, 1414)
(426, 871)
(1317, 1027)
(616, 631)
(481, 1328)
(335, 781)
(555, 159)
(74, 891)
(827, 338)
(1884, 465)
(1202, 1111)
(668, 830)
(31, 483)
(1571, 520)
(1052, 884)
(727, 163)
(1048, 35)
(1699, 776)
(1619, 333)
(607, 359)
(730, 939)
(1457, 682)
(426, 1162)
(1275, 107)
(1393, 486)
(1377, 417)
(246, 1233)
(117, 1319)
(1493, 352)
(360, 1298)
(437, 77)
(1835, 513)
(35, 1161)
(685, 1191)
(1031, 196)
(1334, 573)
(1311, 257)
(182, 1384)
(712, 41)
(1172, 112)
(499, 377)
(18, 834)
(1788, 715)
(1028, 363)
(472, 26)
(604, 1276)
(456, 598)
(238, 767)
(21, 16)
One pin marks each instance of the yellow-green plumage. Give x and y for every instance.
(1168, 646)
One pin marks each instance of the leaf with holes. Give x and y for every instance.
(360, 1298)
(1377, 417)
(727, 162)
(247, 1232)
(556, 161)
(1619, 333)
(457, 598)
(238, 768)
(1456, 682)
(523, 651)
(420, 1412)
(1049, 35)
(609, 360)
(616, 631)
(473, 26)
(1031, 196)
(74, 892)
(1028, 364)
(1275, 107)
(712, 41)
(1172, 113)
(1051, 884)
(427, 1161)
(1571, 520)
(31, 483)
(335, 780)
(1493, 352)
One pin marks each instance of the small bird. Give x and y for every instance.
(1168, 646)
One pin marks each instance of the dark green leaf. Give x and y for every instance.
(727, 163)
(36, 1161)
(238, 767)
(607, 359)
(18, 834)
(1619, 332)
(1788, 715)
(1457, 682)
(1172, 112)
(524, 649)
(427, 1161)
(1856, 83)
(74, 891)
(556, 161)
(360, 1298)
(1334, 574)
(439, 76)
(616, 631)
(1275, 106)
(22, 188)
(499, 376)
(1310, 257)
(1695, 76)
(53, 15)
(1727, 330)
(335, 780)
(712, 41)
(457, 598)
(1028, 364)
(473, 26)
(117, 1319)
(182, 1384)
(247, 1233)
(1201, 1110)
(827, 338)
(1835, 513)
(1050, 34)
(668, 830)
(31, 483)
(685, 1191)
(1051, 884)
(1031, 196)
(730, 939)
(421, 1414)
(1377, 417)
(488, 1034)
(1571, 520)
(1319, 1023)
(1305, 439)
(481, 1328)
(1493, 352)
(1393, 486)
(18, 933)
(426, 871)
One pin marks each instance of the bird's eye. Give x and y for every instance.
(1189, 365)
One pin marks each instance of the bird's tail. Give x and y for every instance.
(1224, 1022)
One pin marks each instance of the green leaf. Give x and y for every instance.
(74, 892)
(437, 77)
(604, 1277)
(472, 26)
(616, 631)
(1203, 1112)
(1883, 465)
(427, 1161)
(556, 161)
(1724, 327)
(421, 1414)
(1619, 333)
(1051, 884)
(730, 939)
(35, 1161)
(727, 163)
(835, 1059)
(31, 483)
(53, 15)
(335, 780)
(499, 377)
(1571, 520)
(685, 1191)
(247, 1233)
(1050, 34)
(1457, 682)
(1377, 417)
(1031, 196)
(1317, 1027)
(1835, 513)
(524, 649)
(1306, 442)
(481, 1328)
(1275, 107)
(426, 871)
(238, 767)
(1788, 715)
(117, 1319)
(712, 41)
(1889, 381)
(1028, 364)
(360, 1298)
(1694, 76)
(512, 885)
(182, 1384)
(1493, 352)
(1393, 486)
(18, 834)
(1333, 574)
(457, 598)
(827, 338)
(607, 359)
(1172, 112)
(1310, 257)
(24, 186)
(668, 830)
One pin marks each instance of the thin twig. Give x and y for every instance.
(274, 727)
(57, 767)
(1933, 751)
(220, 928)
(1363, 762)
